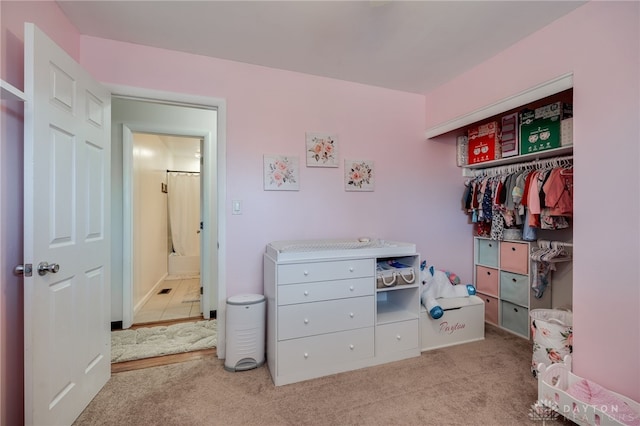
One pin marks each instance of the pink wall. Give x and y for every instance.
(269, 112)
(50, 19)
(418, 188)
(599, 43)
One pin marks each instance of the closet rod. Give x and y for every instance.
(557, 243)
(182, 171)
(511, 168)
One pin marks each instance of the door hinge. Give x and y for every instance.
(201, 290)
(201, 225)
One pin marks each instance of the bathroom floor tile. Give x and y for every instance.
(182, 301)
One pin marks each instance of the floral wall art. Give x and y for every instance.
(281, 173)
(358, 175)
(322, 150)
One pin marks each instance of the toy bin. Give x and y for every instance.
(462, 322)
(552, 334)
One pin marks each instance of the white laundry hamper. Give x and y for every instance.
(245, 337)
(552, 332)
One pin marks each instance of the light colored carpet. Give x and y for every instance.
(484, 383)
(127, 345)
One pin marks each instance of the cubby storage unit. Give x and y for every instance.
(397, 312)
(502, 276)
(325, 312)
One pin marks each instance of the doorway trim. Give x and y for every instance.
(211, 156)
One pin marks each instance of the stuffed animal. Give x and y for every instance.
(438, 284)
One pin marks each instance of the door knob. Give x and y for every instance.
(44, 267)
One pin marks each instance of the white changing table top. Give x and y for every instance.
(326, 249)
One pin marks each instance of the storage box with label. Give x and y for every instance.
(462, 149)
(484, 143)
(566, 132)
(462, 322)
(510, 135)
(540, 128)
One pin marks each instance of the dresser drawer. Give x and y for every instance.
(487, 280)
(325, 271)
(514, 257)
(490, 308)
(308, 319)
(312, 353)
(488, 252)
(324, 290)
(514, 288)
(397, 337)
(515, 318)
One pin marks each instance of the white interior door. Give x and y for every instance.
(203, 248)
(67, 205)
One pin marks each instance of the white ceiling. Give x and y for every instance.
(410, 46)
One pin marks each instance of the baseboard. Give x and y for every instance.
(150, 293)
(213, 314)
(116, 325)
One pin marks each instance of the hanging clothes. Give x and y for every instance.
(538, 196)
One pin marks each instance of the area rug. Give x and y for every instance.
(128, 345)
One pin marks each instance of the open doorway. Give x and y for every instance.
(166, 193)
(159, 113)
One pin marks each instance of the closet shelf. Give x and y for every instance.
(9, 92)
(548, 88)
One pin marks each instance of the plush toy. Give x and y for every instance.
(440, 284)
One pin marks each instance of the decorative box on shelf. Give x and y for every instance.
(462, 148)
(566, 132)
(484, 143)
(510, 137)
(540, 128)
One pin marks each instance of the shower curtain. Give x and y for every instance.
(184, 212)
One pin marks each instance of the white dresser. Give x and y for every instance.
(325, 313)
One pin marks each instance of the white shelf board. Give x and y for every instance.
(564, 150)
(9, 92)
(388, 312)
(551, 87)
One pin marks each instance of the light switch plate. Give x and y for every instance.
(236, 207)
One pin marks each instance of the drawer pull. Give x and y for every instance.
(351, 347)
(306, 293)
(306, 273)
(351, 269)
(306, 355)
(490, 245)
(398, 337)
(306, 320)
(351, 288)
(489, 273)
(513, 249)
(515, 309)
(351, 314)
(514, 280)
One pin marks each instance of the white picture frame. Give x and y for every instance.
(359, 175)
(321, 149)
(281, 173)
